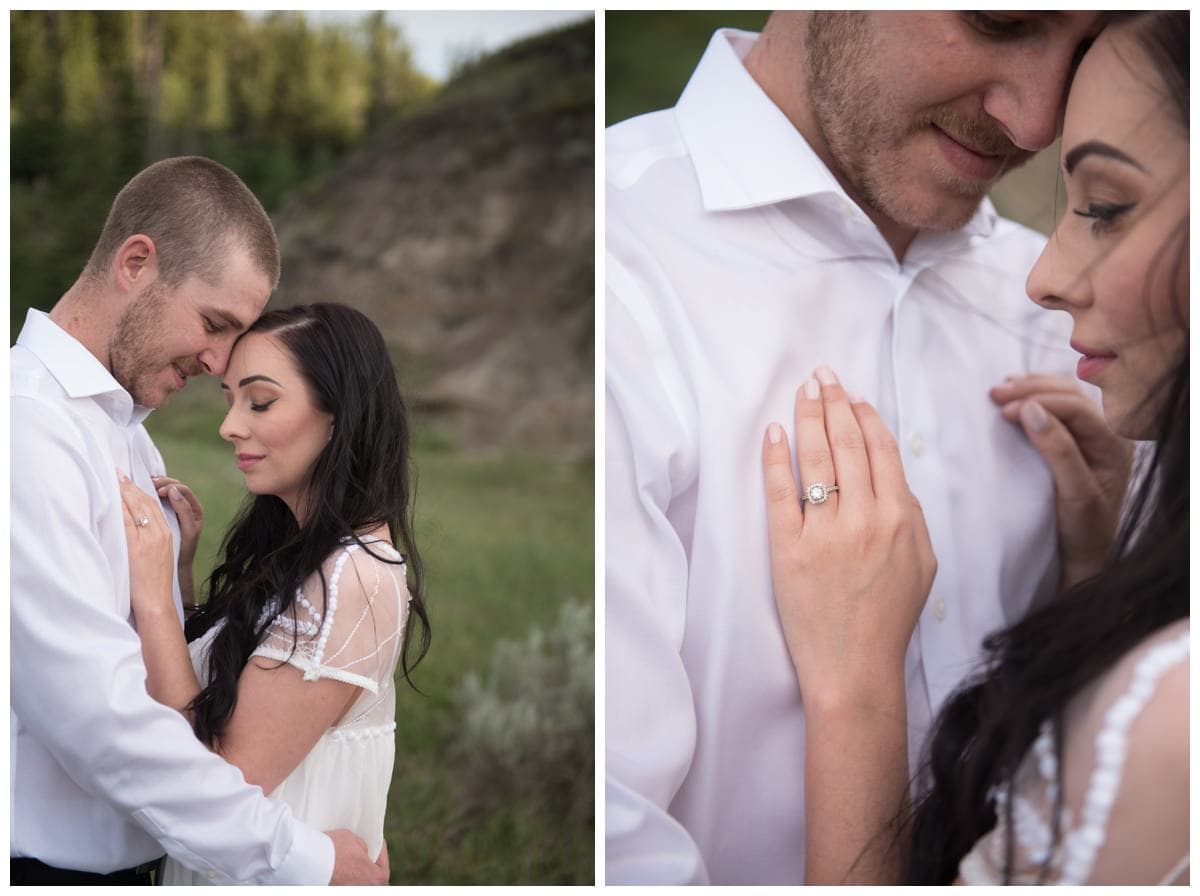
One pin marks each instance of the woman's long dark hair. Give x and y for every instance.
(1034, 669)
(359, 482)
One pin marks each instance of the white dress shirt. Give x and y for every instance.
(736, 265)
(103, 777)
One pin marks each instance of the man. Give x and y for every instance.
(103, 778)
(817, 196)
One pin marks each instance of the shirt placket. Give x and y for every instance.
(140, 474)
(925, 465)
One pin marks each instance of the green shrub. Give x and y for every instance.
(528, 729)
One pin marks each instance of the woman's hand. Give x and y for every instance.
(151, 553)
(1089, 463)
(851, 574)
(187, 507)
(191, 520)
(169, 676)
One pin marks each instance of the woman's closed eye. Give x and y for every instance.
(1104, 214)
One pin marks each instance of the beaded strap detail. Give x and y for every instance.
(317, 656)
(330, 610)
(1082, 844)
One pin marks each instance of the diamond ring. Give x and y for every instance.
(145, 521)
(817, 493)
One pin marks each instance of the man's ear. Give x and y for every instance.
(135, 265)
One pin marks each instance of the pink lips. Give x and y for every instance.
(247, 461)
(968, 162)
(1093, 362)
(180, 377)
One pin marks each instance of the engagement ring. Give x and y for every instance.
(817, 493)
(145, 521)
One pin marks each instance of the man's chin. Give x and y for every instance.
(938, 210)
(153, 399)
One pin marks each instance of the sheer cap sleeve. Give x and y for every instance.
(1125, 812)
(352, 634)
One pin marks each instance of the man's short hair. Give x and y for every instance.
(196, 211)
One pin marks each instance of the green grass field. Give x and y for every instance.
(505, 542)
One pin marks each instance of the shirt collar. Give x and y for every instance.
(745, 150)
(76, 369)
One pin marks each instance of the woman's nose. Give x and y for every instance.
(229, 429)
(1057, 280)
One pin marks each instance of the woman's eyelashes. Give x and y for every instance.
(1104, 214)
(258, 408)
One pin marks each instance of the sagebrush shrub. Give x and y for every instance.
(528, 728)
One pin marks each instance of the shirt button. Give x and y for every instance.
(939, 609)
(916, 444)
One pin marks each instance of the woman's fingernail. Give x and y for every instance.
(121, 475)
(175, 494)
(1011, 408)
(854, 397)
(826, 376)
(774, 433)
(1034, 416)
(812, 390)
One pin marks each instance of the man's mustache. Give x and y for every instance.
(976, 135)
(190, 368)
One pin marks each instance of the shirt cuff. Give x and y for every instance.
(310, 860)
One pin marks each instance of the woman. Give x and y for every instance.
(289, 671)
(1065, 759)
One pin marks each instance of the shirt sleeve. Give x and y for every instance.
(351, 634)
(650, 718)
(78, 680)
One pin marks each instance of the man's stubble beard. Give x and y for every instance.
(863, 141)
(135, 355)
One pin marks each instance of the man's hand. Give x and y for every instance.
(352, 865)
(1090, 465)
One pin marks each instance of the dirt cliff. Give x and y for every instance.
(465, 230)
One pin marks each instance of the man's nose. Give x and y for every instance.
(1029, 107)
(213, 360)
(1030, 122)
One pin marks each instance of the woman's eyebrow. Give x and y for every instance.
(256, 377)
(252, 379)
(1096, 148)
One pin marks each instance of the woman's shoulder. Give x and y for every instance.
(1143, 697)
(361, 552)
(1151, 674)
(363, 572)
(1126, 772)
(1123, 806)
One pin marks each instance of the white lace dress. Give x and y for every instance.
(343, 781)
(1125, 812)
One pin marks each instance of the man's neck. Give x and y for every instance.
(83, 313)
